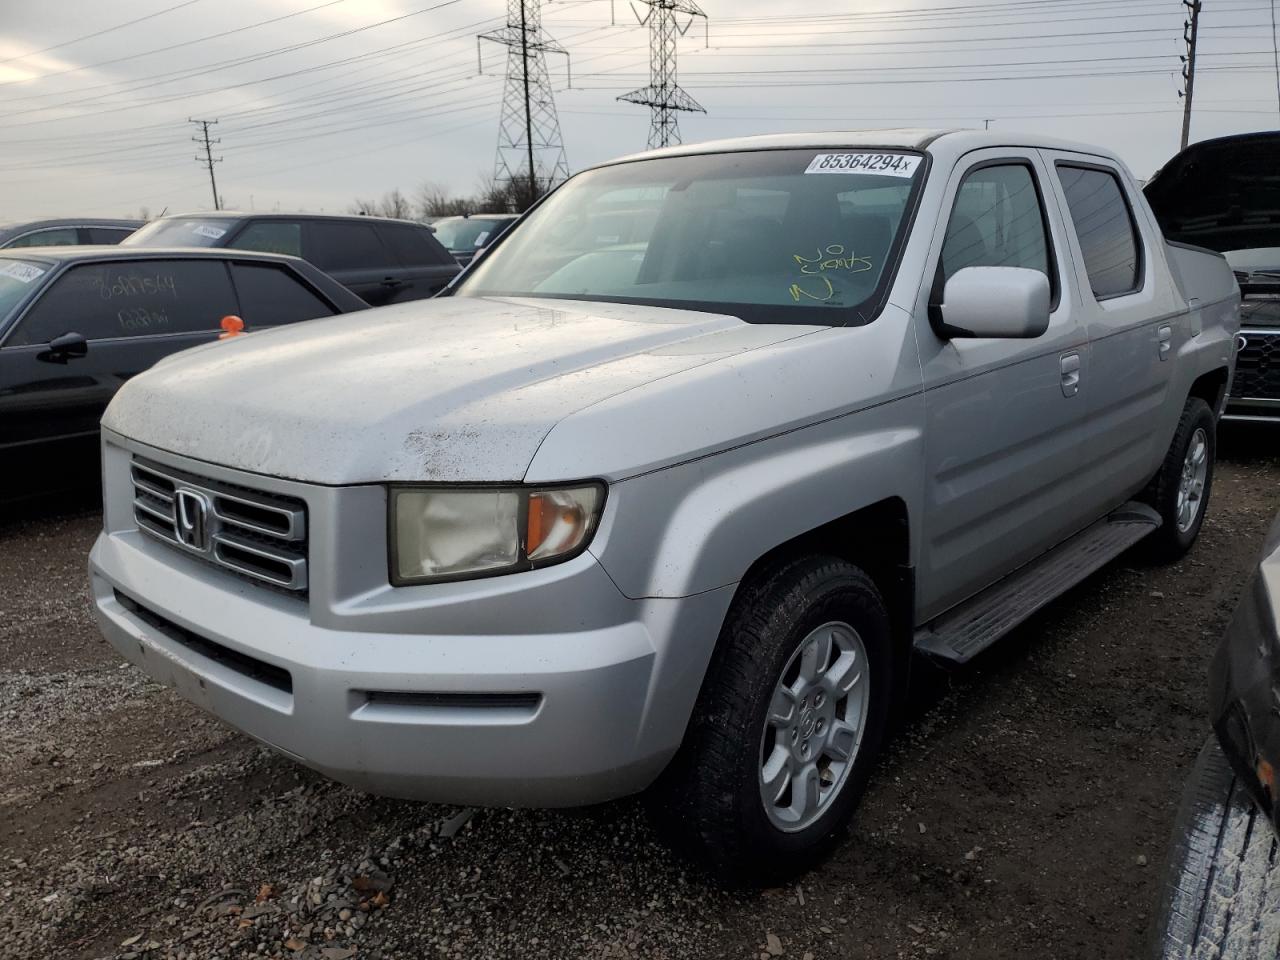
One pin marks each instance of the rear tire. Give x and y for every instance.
(792, 714)
(1180, 491)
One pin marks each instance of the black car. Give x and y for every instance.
(65, 232)
(1224, 194)
(76, 322)
(1222, 885)
(380, 260)
(466, 236)
(1244, 685)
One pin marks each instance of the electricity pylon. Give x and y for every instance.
(663, 96)
(530, 149)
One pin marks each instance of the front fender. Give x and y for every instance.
(700, 525)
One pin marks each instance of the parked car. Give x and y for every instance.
(466, 236)
(674, 505)
(67, 232)
(1222, 194)
(380, 260)
(77, 322)
(1222, 886)
(1245, 685)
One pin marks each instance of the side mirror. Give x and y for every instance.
(64, 348)
(997, 302)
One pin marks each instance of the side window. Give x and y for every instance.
(414, 246)
(271, 236)
(111, 235)
(137, 298)
(271, 295)
(332, 245)
(1104, 225)
(997, 221)
(56, 237)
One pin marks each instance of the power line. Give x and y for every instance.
(99, 33)
(208, 155)
(1275, 51)
(664, 96)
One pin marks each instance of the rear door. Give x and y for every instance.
(1133, 324)
(131, 313)
(1004, 416)
(426, 266)
(272, 294)
(353, 253)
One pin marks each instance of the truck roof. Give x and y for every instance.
(935, 141)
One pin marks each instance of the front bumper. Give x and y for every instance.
(545, 688)
(1255, 388)
(1245, 685)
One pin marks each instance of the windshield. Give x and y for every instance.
(781, 236)
(460, 234)
(180, 232)
(17, 279)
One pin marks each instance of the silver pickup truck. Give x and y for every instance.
(668, 488)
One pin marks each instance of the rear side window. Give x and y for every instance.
(271, 236)
(55, 237)
(142, 298)
(414, 246)
(1106, 230)
(106, 234)
(345, 246)
(997, 221)
(272, 295)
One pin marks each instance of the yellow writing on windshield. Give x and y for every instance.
(832, 257)
(822, 295)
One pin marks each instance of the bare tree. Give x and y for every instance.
(393, 204)
(436, 201)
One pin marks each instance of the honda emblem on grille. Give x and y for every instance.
(191, 516)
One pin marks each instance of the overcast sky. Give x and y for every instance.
(339, 99)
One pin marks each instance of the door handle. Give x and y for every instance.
(1166, 342)
(1070, 374)
(392, 282)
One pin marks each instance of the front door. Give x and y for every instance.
(1004, 418)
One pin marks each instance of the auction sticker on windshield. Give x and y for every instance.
(203, 230)
(886, 164)
(23, 272)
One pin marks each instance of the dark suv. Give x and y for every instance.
(382, 261)
(71, 231)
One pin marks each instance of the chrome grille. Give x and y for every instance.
(262, 536)
(1257, 365)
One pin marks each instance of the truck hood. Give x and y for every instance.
(456, 389)
(1222, 194)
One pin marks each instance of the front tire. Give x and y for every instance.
(791, 716)
(1180, 491)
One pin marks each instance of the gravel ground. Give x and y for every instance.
(1024, 811)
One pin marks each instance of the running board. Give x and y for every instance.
(963, 632)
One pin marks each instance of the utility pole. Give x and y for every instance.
(208, 159)
(529, 128)
(663, 96)
(1190, 31)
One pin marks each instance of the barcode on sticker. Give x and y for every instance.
(884, 164)
(22, 272)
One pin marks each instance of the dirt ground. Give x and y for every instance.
(1024, 810)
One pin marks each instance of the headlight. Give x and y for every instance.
(456, 533)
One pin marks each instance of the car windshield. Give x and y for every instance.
(17, 279)
(180, 232)
(465, 234)
(779, 236)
